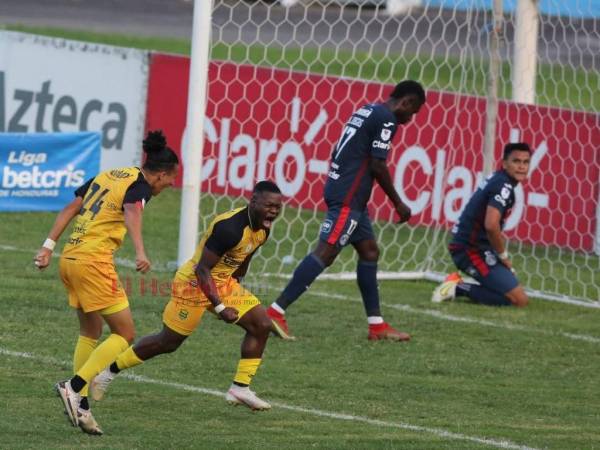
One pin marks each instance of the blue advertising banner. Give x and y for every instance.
(40, 171)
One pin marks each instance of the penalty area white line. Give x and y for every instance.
(502, 443)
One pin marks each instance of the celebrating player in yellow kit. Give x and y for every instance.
(211, 280)
(106, 207)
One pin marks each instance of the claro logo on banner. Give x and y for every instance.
(55, 85)
(268, 123)
(40, 171)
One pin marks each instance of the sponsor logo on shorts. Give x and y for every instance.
(183, 314)
(490, 258)
(472, 271)
(326, 226)
(344, 239)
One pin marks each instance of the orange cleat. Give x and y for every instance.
(384, 331)
(454, 276)
(279, 325)
(446, 292)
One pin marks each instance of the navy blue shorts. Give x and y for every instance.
(344, 225)
(484, 266)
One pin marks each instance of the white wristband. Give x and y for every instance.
(503, 255)
(220, 307)
(49, 244)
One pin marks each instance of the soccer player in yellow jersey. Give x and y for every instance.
(105, 207)
(210, 280)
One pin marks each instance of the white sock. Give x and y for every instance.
(277, 308)
(374, 320)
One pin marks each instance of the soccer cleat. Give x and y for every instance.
(446, 291)
(100, 384)
(70, 400)
(87, 423)
(238, 395)
(279, 325)
(454, 276)
(384, 331)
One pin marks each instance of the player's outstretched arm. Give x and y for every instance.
(132, 213)
(208, 260)
(381, 173)
(493, 218)
(64, 217)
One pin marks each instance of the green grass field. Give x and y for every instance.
(471, 378)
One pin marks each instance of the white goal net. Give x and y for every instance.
(284, 79)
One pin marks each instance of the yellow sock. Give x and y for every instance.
(246, 370)
(128, 359)
(84, 348)
(104, 354)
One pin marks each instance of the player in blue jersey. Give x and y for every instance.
(358, 159)
(477, 247)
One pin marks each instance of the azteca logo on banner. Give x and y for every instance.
(56, 85)
(40, 171)
(269, 123)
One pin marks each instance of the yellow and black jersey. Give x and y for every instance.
(100, 226)
(230, 237)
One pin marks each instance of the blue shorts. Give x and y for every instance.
(344, 225)
(484, 266)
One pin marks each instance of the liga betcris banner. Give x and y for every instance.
(271, 123)
(41, 171)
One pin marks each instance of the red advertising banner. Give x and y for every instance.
(266, 123)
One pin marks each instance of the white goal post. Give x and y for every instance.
(283, 79)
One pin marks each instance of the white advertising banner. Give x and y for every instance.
(58, 85)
